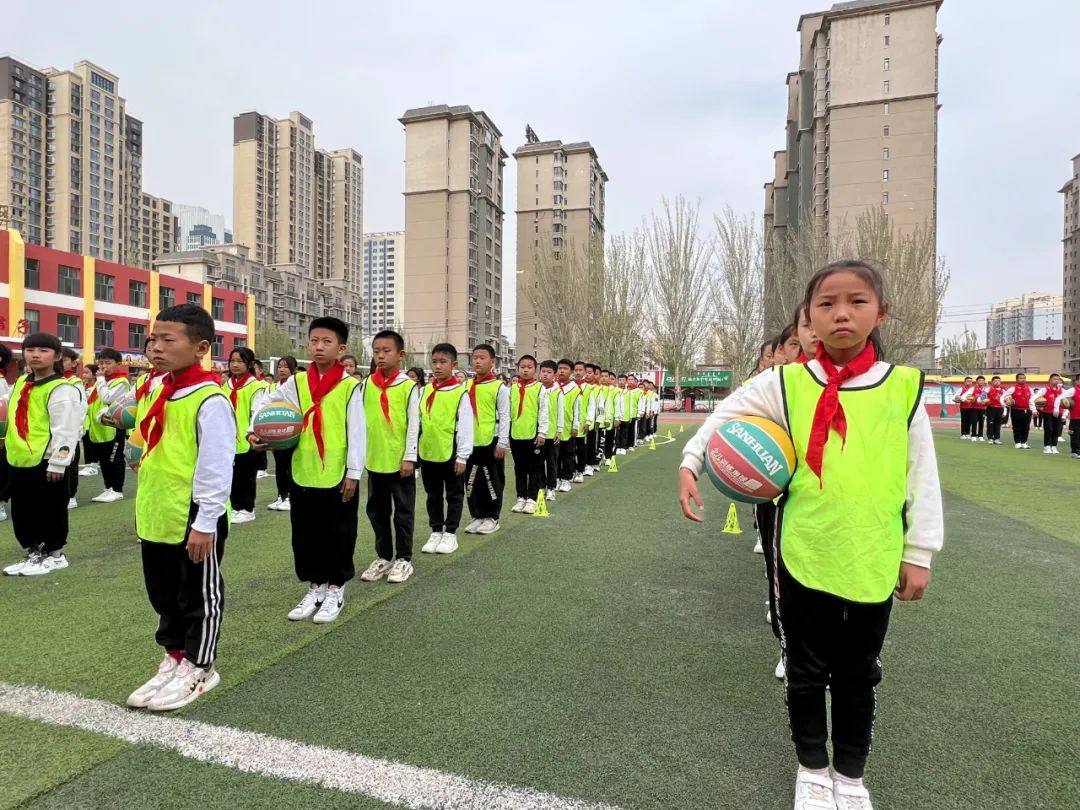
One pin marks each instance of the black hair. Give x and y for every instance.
(335, 325)
(146, 343)
(621, 377)
(485, 347)
(421, 375)
(590, 366)
(246, 354)
(786, 334)
(526, 357)
(568, 363)
(995, 377)
(352, 357)
(107, 353)
(449, 349)
(1052, 374)
(969, 377)
(869, 273)
(980, 377)
(799, 310)
(290, 363)
(67, 352)
(551, 364)
(390, 334)
(581, 363)
(91, 367)
(257, 362)
(198, 325)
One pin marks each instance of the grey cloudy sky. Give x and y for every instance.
(680, 97)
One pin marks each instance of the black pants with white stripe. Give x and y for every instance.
(188, 597)
(110, 459)
(485, 477)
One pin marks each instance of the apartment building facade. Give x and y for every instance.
(159, 229)
(384, 281)
(1071, 271)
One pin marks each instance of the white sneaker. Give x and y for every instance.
(1061, 438)
(333, 602)
(307, 606)
(549, 495)
(108, 496)
(564, 486)
(141, 696)
(473, 526)
(590, 470)
(261, 474)
(43, 564)
(1018, 445)
(780, 670)
(607, 462)
(242, 516)
(285, 505)
(186, 685)
(519, 504)
(530, 507)
(432, 544)
(489, 526)
(401, 571)
(88, 471)
(14, 569)
(1026, 446)
(73, 503)
(377, 570)
(3, 513)
(275, 504)
(578, 479)
(758, 548)
(1046, 451)
(813, 792)
(448, 544)
(851, 797)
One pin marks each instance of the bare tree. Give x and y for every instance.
(566, 289)
(678, 263)
(961, 354)
(790, 261)
(737, 295)
(616, 334)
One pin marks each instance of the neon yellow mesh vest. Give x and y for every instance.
(386, 442)
(438, 426)
(847, 537)
(609, 406)
(635, 398)
(487, 397)
(167, 473)
(99, 432)
(308, 470)
(569, 398)
(526, 425)
(242, 411)
(30, 451)
(553, 410)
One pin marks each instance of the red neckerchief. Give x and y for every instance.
(829, 414)
(152, 425)
(22, 410)
(319, 385)
(550, 385)
(91, 398)
(437, 386)
(472, 391)
(802, 358)
(143, 390)
(236, 383)
(383, 382)
(68, 375)
(521, 395)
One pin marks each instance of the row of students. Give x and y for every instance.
(995, 405)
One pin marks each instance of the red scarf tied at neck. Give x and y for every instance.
(152, 425)
(143, 390)
(521, 395)
(320, 385)
(382, 382)
(22, 410)
(829, 414)
(236, 383)
(92, 388)
(472, 391)
(437, 386)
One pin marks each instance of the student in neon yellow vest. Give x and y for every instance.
(485, 475)
(554, 395)
(70, 359)
(181, 509)
(528, 434)
(591, 392)
(621, 405)
(264, 383)
(283, 372)
(45, 417)
(571, 423)
(391, 427)
(607, 420)
(858, 526)
(88, 377)
(243, 390)
(446, 442)
(324, 469)
(5, 393)
(112, 386)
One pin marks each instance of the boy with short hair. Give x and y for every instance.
(1018, 398)
(591, 392)
(446, 442)
(70, 359)
(325, 469)
(44, 423)
(112, 386)
(391, 421)
(181, 509)
(553, 393)
(486, 473)
(528, 434)
(571, 424)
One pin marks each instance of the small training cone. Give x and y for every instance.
(669, 435)
(614, 467)
(652, 443)
(682, 428)
(541, 506)
(731, 525)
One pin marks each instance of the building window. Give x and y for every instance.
(166, 297)
(885, 153)
(137, 293)
(33, 320)
(68, 278)
(886, 40)
(886, 108)
(32, 276)
(884, 198)
(103, 332)
(217, 309)
(885, 175)
(104, 287)
(887, 19)
(136, 336)
(217, 346)
(885, 86)
(67, 328)
(885, 131)
(885, 66)
(239, 311)
(194, 298)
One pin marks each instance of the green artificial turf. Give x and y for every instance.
(613, 652)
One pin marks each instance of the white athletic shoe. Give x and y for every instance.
(519, 504)
(108, 496)
(186, 685)
(1075, 455)
(813, 792)
(549, 495)
(432, 544)
(275, 504)
(14, 569)
(758, 548)
(3, 513)
(1046, 451)
(780, 670)
(621, 451)
(261, 474)
(489, 526)
(473, 526)
(73, 503)
(88, 471)
(307, 606)
(590, 470)
(448, 544)
(578, 479)
(401, 571)
(530, 507)
(1055, 451)
(333, 602)
(44, 564)
(1018, 445)
(607, 462)
(143, 695)
(377, 570)
(564, 486)
(1061, 438)
(768, 617)
(851, 797)
(242, 516)
(285, 506)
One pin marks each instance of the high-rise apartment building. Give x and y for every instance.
(159, 229)
(560, 218)
(200, 228)
(384, 281)
(1032, 316)
(453, 227)
(862, 120)
(1071, 275)
(70, 160)
(346, 190)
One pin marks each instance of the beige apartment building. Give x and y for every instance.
(159, 229)
(560, 218)
(384, 282)
(1071, 273)
(453, 228)
(70, 160)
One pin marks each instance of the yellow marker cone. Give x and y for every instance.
(669, 435)
(731, 525)
(682, 427)
(614, 467)
(652, 443)
(541, 506)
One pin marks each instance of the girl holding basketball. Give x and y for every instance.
(283, 372)
(858, 526)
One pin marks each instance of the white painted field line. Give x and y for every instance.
(252, 752)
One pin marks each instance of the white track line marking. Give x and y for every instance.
(252, 752)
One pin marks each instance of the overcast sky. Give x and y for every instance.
(677, 97)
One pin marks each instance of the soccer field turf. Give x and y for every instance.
(614, 653)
